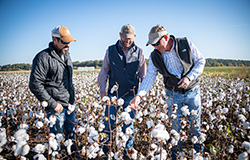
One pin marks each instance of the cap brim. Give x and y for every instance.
(152, 41)
(128, 36)
(68, 39)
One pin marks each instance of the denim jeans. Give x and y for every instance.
(193, 101)
(64, 122)
(112, 110)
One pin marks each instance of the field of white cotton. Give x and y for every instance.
(225, 122)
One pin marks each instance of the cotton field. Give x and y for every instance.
(225, 128)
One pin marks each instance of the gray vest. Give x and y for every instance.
(183, 52)
(124, 70)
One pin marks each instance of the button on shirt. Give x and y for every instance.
(174, 67)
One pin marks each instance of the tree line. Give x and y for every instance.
(210, 62)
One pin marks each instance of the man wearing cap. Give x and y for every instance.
(51, 81)
(123, 64)
(180, 63)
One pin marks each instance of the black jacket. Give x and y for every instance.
(51, 78)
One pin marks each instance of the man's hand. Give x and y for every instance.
(184, 82)
(102, 94)
(135, 102)
(59, 108)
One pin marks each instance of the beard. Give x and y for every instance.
(64, 51)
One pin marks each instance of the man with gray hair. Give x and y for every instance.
(124, 66)
(180, 63)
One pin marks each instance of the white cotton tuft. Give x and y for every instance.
(39, 148)
(44, 104)
(39, 124)
(68, 144)
(246, 145)
(120, 102)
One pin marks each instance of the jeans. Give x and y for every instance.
(64, 122)
(193, 101)
(112, 110)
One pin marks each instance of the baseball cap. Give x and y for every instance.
(62, 33)
(128, 31)
(155, 34)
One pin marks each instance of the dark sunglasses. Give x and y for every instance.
(158, 42)
(62, 41)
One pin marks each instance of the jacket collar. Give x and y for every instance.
(54, 53)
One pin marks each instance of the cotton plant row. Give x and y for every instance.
(225, 123)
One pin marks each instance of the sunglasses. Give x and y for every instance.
(62, 41)
(158, 42)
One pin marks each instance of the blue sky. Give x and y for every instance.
(219, 28)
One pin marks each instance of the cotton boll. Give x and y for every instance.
(129, 131)
(230, 149)
(127, 109)
(39, 157)
(21, 135)
(246, 145)
(150, 123)
(185, 110)
(194, 113)
(80, 129)
(45, 104)
(19, 148)
(113, 89)
(212, 150)
(243, 156)
(242, 118)
(120, 102)
(194, 139)
(68, 143)
(39, 124)
(39, 148)
(52, 120)
(126, 117)
(246, 125)
(26, 149)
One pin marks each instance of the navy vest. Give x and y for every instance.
(124, 70)
(183, 52)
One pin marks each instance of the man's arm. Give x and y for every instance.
(103, 75)
(142, 70)
(146, 84)
(37, 80)
(199, 62)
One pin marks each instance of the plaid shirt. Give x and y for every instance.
(174, 67)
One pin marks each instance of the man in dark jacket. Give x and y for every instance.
(51, 82)
(180, 63)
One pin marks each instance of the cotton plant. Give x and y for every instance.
(3, 139)
(68, 143)
(160, 133)
(93, 135)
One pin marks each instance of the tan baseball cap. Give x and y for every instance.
(155, 34)
(62, 33)
(128, 31)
